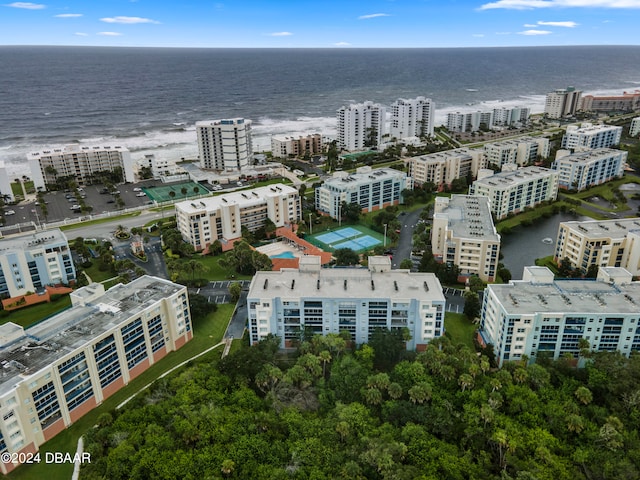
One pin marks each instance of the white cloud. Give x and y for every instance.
(558, 24)
(68, 15)
(531, 4)
(529, 25)
(127, 20)
(535, 32)
(373, 15)
(280, 34)
(26, 5)
(110, 34)
(478, 35)
(342, 44)
(81, 34)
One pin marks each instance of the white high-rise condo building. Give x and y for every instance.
(469, 122)
(29, 262)
(519, 151)
(201, 222)
(562, 103)
(585, 169)
(604, 243)
(412, 118)
(78, 162)
(361, 125)
(57, 370)
(224, 144)
(463, 234)
(540, 316)
(371, 189)
(505, 117)
(513, 192)
(442, 168)
(356, 300)
(634, 128)
(591, 136)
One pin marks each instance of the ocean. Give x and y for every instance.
(148, 99)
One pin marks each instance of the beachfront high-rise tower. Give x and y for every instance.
(412, 118)
(562, 103)
(224, 144)
(361, 125)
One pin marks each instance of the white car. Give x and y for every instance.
(141, 194)
(10, 212)
(137, 189)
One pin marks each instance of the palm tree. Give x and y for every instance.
(194, 266)
(372, 396)
(325, 357)
(420, 392)
(584, 395)
(466, 381)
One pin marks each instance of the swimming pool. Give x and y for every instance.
(283, 255)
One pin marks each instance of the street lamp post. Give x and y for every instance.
(310, 225)
(385, 235)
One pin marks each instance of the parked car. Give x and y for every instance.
(141, 194)
(137, 189)
(10, 212)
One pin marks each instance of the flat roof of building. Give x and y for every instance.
(45, 342)
(363, 175)
(522, 175)
(514, 142)
(69, 149)
(469, 216)
(444, 155)
(591, 155)
(346, 283)
(225, 121)
(590, 297)
(589, 128)
(243, 198)
(28, 241)
(604, 228)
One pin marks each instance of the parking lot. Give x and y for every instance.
(218, 292)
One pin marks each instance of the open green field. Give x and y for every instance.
(459, 329)
(213, 269)
(207, 332)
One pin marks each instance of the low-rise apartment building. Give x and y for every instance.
(463, 234)
(29, 262)
(591, 136)
(79, 162)
(284, 147)
(203, 221)
(588, 168)
(542, 316)
(520, 151)
(605, 243)
(514, 191)
(56, 371)
(372, 189)
(442, 168)
(627, 102)
(357, 300)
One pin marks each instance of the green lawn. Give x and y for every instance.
(459, 329)
(207, 332)
(215, 271)
(30, 315)
(97, 221)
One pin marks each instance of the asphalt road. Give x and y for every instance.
(405, 241)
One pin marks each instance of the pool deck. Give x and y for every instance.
(291, 243)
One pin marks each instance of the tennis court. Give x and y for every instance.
(357, 238)
(160, 193)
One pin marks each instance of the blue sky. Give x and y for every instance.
(328, 23)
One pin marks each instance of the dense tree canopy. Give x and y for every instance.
(327, 412)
